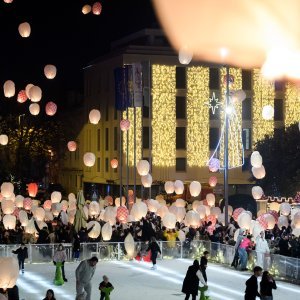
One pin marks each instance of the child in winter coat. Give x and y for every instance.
(106, 288)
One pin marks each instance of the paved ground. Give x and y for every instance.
(135, 281)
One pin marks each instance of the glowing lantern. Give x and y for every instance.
(238, 96)
(72, 146)
(71, 197)
(211, 199)
(106, 232)
(237, 212)
(9, 222)
(118, 202)
(89, 159)
(139, 210)
(9, 88)
(213, 180)
(97, 8)
(8, 1)
(256, 159)
(64, 205)
(110, 215)
(56, 197)
(95, 232)
(212, 219)
(270, 221)
(257, 192)
(181, 236)
(214, 165)
(283, 221)
(296, 220)
(35, 93)
(9, 272)
(56, 209)
(146, 180)
(285, 208)
(3, 139)
(259, 173)
(169, 187)
(201, 210)
(27, 89)
(50, 71)
(34, 109)
(195, 188)
(230, 210)
(48, 216)
(244, 220)
(23, 218)
(19, 201)
(109, 200)
(129, 245)
(180, 214)
(169, 220)
(192, 219)
(32, 189)
(51, 108)
(7, 189)
(94, 208)
(27, 203)
(7, 206)
(185, 56)
(39, 214)
(215, 211)
(47, 205)
(22, 97)
(180, 203)
(24, 29)
(94, 116)
(86, 9)
(125, 125)
(268, 112)
(143, 167)
(179, 187)
(162, 211)
(122, 214)
(153, 205)
(262, 222)
(114, 163)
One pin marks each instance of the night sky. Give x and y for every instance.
(63, 36)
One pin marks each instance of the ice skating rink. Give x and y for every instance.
(134, 281)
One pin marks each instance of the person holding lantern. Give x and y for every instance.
(22, 253)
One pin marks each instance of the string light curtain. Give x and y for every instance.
(292, 104)
(197, 116)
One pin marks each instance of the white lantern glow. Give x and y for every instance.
(9, 272)
(39, 214)
(106, 232)
(153, 205)
(24, 29)
(285, 209)
(86, 9)
(214, 165)
(211, 199)
(50, 71)
(95, 232)
(201, 210)
(215, 211)
(283, 221)
(94, 208)
(162, 211)
(244, 220)
(125, 125)
(192, 219)
(51, 108)
(180, 214)
(7, 189)
(56, 197)
(72, 146)
(256, 159)
(185, 56)
(118, 201)
(9, 88)
(7, 206)
(27, 89)
(270, 221)
(179, 187)
(213, 180)
(169, 187)
(34, 109)
(35, 93)
(180, 203)
(268, 112)
(3, 139)
(257, 192)
(19, 201)
(89, 159)
(97, 8)
(56, 209)
(64, 205)
(169, 220)
(259, 173)
(94, 116)
(9, 222)
(195, 188)
(23, 218)
(114, 163)
(146, 180)
(143, 167)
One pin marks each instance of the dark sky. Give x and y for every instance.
(63, 36)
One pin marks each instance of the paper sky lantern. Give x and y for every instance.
(213, 180)
(256, 159)
(181, 236)
(39, 214)
(192, 218)
(94, 116)
(89, 159)
(72, 146)
(212, 219)
(195, 204)
(56, 209)
(7, 206)
(94, 208)
(259, 173)
(169, 220)
(24, 29)
(216, 211)
(118, 201)
(122, 214)
(180, 203)
(7, 189)
(143, 167)
(270, 221)
(47, 205)
(268, 112)
(50, 71)
(180, 214)
(34, 109)
(3, 139)
(129, 245)
(283, 221)
(201, 210)
(8, 1)
(19, 201)
(48, 216)
(95, 232)
(262, 222)
(147, 180)
(32, 189)
(97, 8)
(9, 272)
(179, 187)
(56, 197)
(27, 203)
(139, 210)
(214, 165)
(86, 9)
(125, 125)
(51, 108)
(9, 222)
(23, 218)
(195, 188)
(27, 89)
(244, 220)
(22, 97)
(169, 187)
(64, 217)
(64, 205)
(153, 205)
(114, 163)
(257, 192)
(237, 212)
(106, 232)
(9, 88)
(35, 93)
(185, 56)
(110, 215)
(162, 211)
(211, 199)
(296, 220)
(285, 208)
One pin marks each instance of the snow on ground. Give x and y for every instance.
(134, 281)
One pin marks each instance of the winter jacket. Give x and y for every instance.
(85, 272)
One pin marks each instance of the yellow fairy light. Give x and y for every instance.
(163, 115)
(292, 104)
(197, 116)
(235, 144)
(131, 135)
(263, 94)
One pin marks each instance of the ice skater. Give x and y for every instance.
(251, 291)
(106, 288)
(22, 253)
(154, 248)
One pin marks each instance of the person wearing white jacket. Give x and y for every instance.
(261, 248)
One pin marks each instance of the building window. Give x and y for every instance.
(145, 111)
(247, 138)
(106, 139)
(180, 78)
(213, 138)
(98, 139)
(98, 164)
(106, 165)
(246, 80)
(145, 137)
(278, 110)
(181, 164)
(214, 79)
(180, 107)
(246, 165)
(246, 109)
(116, 138)
(180, 138)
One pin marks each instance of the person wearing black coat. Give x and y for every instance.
(43, 234)
(153, 246)
(251, 291)
(11, 293)
(267, 284)
(22, 253)
(203, 264)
